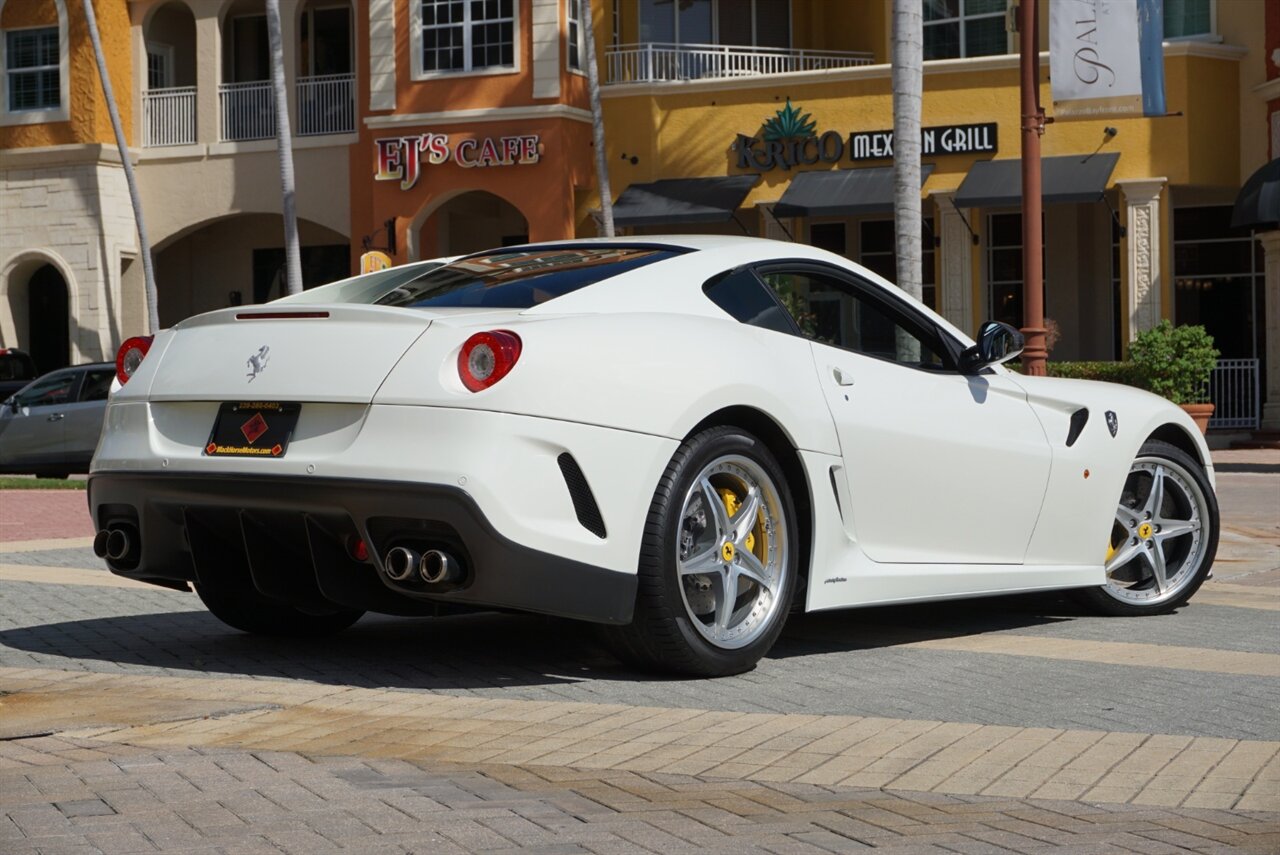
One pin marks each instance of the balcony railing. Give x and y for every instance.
(326, 104)
(246, 111)
(169, 116)
(657, 61)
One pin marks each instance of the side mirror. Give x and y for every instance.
(997, 342)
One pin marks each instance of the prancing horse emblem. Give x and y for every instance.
(1113, 423)
(258, 362)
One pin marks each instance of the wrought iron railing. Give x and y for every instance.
(326, 104)
(169, 116)
(247, 111)
(659, 61)
(1234, 390)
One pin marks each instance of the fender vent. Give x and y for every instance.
(584, 503)
(1078, 420)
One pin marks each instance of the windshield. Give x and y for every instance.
(520, 279)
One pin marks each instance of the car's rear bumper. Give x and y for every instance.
(291, 537)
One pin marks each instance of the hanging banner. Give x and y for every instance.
(1106, 58)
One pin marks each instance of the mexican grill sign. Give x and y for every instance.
(790, 140)
(401, 158)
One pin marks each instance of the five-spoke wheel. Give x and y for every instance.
(1164, 535)
(718, 562)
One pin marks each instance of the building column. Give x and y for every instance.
(770, 226)
(1144, 263)
(208, 73)
(955, 290)
(1271, 297)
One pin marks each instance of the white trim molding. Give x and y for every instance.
(62, 112)
(382, 54)
(487, 114)
(546, 48)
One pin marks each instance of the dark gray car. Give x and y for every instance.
(51, 426)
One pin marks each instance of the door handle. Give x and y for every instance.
(57, 417)
(842, 378)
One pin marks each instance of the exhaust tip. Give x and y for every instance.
(438, 567)
(400, 563)
(116, 544)
(100, 543)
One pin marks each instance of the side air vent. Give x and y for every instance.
(1078, 420)
(584, 503)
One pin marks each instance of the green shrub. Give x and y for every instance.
(1175, 361)
(1109, 372)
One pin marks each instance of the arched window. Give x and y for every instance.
(33, 57)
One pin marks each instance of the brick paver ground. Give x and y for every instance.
(41, 514)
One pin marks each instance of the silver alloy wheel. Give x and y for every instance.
(1158, 540)
(732, 551)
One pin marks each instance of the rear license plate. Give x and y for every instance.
(252, 429)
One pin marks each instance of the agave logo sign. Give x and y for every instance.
(789, 139)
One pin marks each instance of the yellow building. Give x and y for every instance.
(1137, 210)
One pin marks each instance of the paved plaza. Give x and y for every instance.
(133, 721)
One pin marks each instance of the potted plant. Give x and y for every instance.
(1176, 362)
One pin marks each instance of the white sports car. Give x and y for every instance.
(679, 438)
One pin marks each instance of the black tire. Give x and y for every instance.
(661, 636)
(1104, 601)
(249, 611)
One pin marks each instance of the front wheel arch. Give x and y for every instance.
(1178, 437)
(768, 431)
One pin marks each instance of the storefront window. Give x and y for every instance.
(1004, 267)
(878, 253)
(961, 28)
(1218, 279)
(32, 69)
(762, 23)
(467, 35)
(1183, 18)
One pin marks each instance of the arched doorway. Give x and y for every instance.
(48, 319)
(472, 222)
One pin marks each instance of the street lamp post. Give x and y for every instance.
(1033, 121)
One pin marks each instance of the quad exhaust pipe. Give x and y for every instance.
(113, 544)
(434, 567)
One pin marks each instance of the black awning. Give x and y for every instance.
(682, 200)
(1072, 178)
(841, 192)
(1258, 204)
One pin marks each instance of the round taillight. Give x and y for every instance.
(130, 356)
(487, 357)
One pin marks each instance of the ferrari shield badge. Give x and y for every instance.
(1113, 423)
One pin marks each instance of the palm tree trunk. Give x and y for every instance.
(284, 147)
(587, 23)
(908, 83)
(144, 242)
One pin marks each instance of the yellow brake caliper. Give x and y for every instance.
(731, 504)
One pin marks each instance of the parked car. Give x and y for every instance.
(50, 427)
(678, 438)
(17, 369)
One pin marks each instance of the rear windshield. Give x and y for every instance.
(520, 279)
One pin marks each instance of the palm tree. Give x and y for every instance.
(144, 242)
(908, 82)
(284, 147)
(588, 29)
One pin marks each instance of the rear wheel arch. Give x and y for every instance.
(768, 431)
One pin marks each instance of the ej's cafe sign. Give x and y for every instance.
(401, 158)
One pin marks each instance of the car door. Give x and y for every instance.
(941, 468)
(33, 428)
(82, 424)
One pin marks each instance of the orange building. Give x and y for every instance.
(475, 130)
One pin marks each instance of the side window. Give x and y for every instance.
(97, 384)
(835, 312)
(48, 391)
(742, 295)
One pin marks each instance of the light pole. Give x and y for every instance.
(1034, 354)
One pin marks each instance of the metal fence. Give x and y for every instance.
(247, 111)
(659, 61)
(169, 116)
(326, 104)
(1236, 395)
